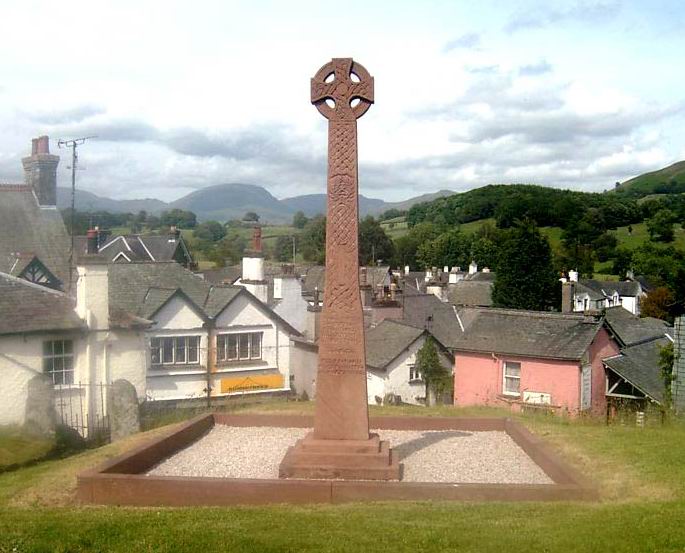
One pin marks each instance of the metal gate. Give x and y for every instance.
(83, 407)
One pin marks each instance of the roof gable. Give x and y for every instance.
(529, 334)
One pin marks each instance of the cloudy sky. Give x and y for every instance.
(183, 95)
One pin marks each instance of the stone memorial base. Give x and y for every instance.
(370, 459)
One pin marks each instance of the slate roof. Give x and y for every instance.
(387, 341)
(580, 288)
(28, 307)
(471, 292)
(528, 333)
(27, 230)
(222, 275)
(439, 318)
(315, 277)
(136, 247)
(630, 329)
(607, 287)
(140, 289)
(639, 365)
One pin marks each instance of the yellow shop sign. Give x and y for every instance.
(251, 383)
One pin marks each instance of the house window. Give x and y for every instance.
(414, 374)
(58, 361)
(512, 378)
(175, 350)
(239, 347)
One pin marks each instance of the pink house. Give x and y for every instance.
(510, 357)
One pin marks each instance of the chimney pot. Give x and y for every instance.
(92, 242)
(43, 145)
(40, 171)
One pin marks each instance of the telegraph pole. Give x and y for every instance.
(73, 144)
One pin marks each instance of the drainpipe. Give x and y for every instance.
(211, 365)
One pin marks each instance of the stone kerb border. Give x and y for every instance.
(122, 480)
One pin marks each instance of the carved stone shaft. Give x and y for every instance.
(341, 407)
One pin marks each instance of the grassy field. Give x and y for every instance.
(17, 448)
(640, 472)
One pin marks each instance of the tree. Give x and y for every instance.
(623, 261)
(229, 250)
(452, 248)
(251, 216)
(434, 374)
(657, 304)
(406, 246)
(212, 231)
(525, 277)
(299, 220)
(374, 244)
(313, 240)
(283, 251)
(660, 226)
(178, 218)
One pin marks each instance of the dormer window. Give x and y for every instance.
(38, 273)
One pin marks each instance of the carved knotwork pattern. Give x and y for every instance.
(342, 154)
(341, 297)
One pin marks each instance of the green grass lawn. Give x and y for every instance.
(640, 473)
(17, 448)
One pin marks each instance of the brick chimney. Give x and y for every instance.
(40, 172)
(92, 245)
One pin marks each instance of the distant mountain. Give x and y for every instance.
(314, 204)
(231, 201)
(87, 201)
(669, 180)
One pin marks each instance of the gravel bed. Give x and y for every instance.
(428, 456)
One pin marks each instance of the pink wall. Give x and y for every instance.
(478, 378)
(602, 347)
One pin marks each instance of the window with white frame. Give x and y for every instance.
(512, 378)
(58, 361)
(239, 346)
(175, 350)
(414, 374)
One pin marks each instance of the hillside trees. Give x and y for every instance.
(300, 220)
(374, 244)
(660, 225)
(313, 240)
(283, 250)
(211, 231)
(525, 277)
(178, 218)
(407, 246)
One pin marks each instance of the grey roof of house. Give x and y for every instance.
(388, 340)
(28, 307)
(137, 247)
(141, 289)
(580, 288)
(608, 287)
(481, 276)
(27, 230)
(138, 288)
(222, 275)
(639, 365)
(528, 333)
(469, 292)
(427, 311)
(630, 329)
(315, 278)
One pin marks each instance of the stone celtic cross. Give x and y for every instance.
(342, 91)
(340, 445)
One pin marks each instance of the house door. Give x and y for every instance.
(586, 387)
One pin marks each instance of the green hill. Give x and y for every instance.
(669, 180)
